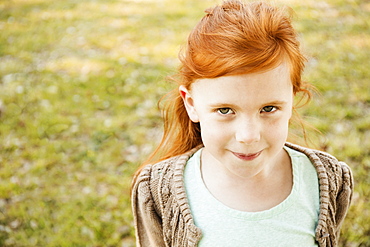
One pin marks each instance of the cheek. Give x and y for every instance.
(213, 132)
(278, 129)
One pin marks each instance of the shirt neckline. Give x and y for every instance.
(265, 214)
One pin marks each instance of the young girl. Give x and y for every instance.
(223, 174)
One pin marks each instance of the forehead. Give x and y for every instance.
(274, 84)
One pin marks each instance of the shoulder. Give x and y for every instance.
(161, 179)
(324, 162)
(163, 169)
(336, 189)
(168, 166)
(335, 176)
(154, 176)
(159, 190)
(152, 172)
(151, 188)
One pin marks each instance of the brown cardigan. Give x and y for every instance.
(162, 215)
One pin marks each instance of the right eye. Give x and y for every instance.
(225, 111)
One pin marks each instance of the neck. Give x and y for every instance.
(212, 168)
(255, 190)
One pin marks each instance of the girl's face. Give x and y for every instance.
(244, 118)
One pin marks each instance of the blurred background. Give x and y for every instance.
(79, 85)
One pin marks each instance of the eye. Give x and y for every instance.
(269, 108)
(224, 111)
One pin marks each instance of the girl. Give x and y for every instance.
(223, 174)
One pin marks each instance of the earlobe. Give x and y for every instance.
(189, 104)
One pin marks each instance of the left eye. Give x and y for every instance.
(269, 108)
(224, 111)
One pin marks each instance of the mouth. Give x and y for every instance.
(247, 157)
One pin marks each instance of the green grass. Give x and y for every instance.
(79, 85)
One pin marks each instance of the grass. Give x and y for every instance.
(79, 85)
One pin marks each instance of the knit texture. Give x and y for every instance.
(162, 214)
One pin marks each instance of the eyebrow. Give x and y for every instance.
(275, 102)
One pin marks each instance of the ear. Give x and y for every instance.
(189, 104)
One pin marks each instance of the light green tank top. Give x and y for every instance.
(291, 223)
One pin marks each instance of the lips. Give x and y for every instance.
(247, 157)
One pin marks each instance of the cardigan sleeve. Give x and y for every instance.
(147, 221)
(344, 196)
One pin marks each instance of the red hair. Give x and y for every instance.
(232, 38)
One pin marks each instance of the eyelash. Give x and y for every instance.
(263, 110)
(229, 111)
(274, 108)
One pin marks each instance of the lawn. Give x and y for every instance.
(80, 81)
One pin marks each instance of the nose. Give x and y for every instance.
(248, 132)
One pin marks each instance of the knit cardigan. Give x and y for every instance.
(162, 215)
